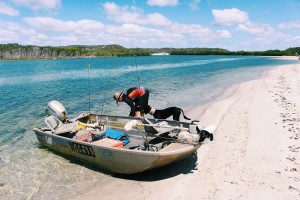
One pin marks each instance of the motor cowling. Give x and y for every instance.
(56, 109)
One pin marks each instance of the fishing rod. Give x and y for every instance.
(105, 94)
(89, 89)
(136, 69)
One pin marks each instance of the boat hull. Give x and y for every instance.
(116, 160)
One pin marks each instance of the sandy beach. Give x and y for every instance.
(255, 153)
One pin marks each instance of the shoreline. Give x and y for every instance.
(228, 96)
(255, 152)
(92, 56)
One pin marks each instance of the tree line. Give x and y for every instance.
(293, 51)
(17, 51)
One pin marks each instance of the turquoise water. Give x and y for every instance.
(28, 171)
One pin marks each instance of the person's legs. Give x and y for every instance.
(138, 108)
(138, 114)
(144, 102)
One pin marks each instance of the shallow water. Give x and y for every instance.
(28, 171)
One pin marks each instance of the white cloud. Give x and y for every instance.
(46, 24)
(290, 25)
(39, 4)
(256, 29)
(133, 14)
(229, 16)
(194, 5)
(51, 31)
(87, 32)
(8, 36)
(157, 19)
(10, 26)
(162, 3)
(14, 32)
(197, 33)
(292, 40)
(88, 25)
(56, 25)
(132, 31)
(7, 10)
(39, 38)
(264, 42)
(191, 29)
(223, 34)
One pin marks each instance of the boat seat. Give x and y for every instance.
(149, 129)
(159, 127)
(57, 127)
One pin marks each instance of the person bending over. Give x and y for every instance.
(136, 98)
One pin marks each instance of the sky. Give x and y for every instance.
(249, 25)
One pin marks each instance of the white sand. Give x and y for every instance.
(255, 153)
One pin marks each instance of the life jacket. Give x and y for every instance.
(117, 135)
(133, 93)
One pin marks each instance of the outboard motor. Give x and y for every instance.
(56, 109)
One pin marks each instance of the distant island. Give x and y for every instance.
(14, 51)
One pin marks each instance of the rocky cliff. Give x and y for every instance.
(16, 51)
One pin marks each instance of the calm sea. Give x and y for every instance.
(28, 171)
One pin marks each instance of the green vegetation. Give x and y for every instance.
(295, 51)
(200, 51)
(217, 51)
(16, 51)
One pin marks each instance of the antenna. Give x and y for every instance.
(89, 88)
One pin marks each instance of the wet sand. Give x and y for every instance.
(255, 153)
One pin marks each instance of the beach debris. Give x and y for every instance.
(291, 159)
(293, 188)
(2, 184)
(233, 182)
(294, 149)
(293, 170)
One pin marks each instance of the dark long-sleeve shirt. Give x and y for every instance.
(136, 98)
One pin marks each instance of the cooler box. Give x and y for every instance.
(107, 142)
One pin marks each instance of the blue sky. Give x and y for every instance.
(230, 24)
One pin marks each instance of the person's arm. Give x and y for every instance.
(127, 100)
